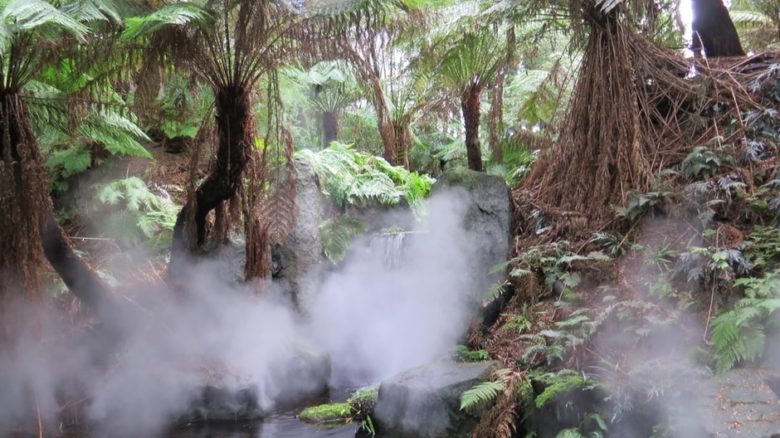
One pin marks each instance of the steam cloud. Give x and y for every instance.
(371, 318)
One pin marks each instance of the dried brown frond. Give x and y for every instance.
(500, 421)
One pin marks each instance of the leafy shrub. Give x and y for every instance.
(350, 177)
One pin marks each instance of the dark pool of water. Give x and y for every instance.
(275, 426)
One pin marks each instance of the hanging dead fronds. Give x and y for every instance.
(500, 421)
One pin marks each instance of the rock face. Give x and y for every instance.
(488, 216)
(425, 402)
(300, 257)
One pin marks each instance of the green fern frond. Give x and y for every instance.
(175, 14)
(480, 395)
(739, 335)
(337, 235)
(20, 16)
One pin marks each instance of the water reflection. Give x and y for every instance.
(276, 426)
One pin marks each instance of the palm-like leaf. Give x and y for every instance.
(20, 16)
(473, 60)
(175, 14)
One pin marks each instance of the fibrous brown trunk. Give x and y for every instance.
(713, 31)
(330, 126)
(234, 139)
(29, 233)
(469, 104)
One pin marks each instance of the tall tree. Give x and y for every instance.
(714, 33)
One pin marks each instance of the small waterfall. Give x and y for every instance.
(390, 247)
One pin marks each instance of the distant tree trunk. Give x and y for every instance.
(28, 230)
(469, 103)
(330, 126)
(496, 116)
(403, 142)
(235, 133)
(713, 31)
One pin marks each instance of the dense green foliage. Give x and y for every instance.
(350, 177)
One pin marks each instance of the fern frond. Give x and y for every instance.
(480, 395)
(20, 16)
(337, 235)
(175, 14)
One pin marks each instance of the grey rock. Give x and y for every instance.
(488, 217)
(425, 402)
(300, 256)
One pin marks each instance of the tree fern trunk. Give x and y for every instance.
(29, 233)
(470, 107)
(330, 126)
(713, 30)
(235, 134)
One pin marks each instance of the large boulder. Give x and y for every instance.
(300, 256)
(488, 217)
(425, 402)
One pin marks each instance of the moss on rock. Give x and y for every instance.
(327, 413)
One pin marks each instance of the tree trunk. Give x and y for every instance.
(496, 120)
(469, 103)
(330, 126)
(235, 133)
(28, 230)
(713, 31)
(403, 142)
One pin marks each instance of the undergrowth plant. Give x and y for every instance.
(739, 335)
(703, 162)
(497, 401)
(181, 108)
(463, 354)
(103, 133)
(136, 215)
(337, 234)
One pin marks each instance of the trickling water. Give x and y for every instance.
(390, 247)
